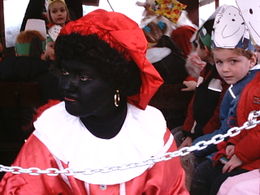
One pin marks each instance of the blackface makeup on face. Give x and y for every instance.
(85, 92)
(231, 66)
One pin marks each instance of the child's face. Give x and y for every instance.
(58, 13)
(231, 66)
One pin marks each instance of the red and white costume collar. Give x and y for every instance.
(141, 137)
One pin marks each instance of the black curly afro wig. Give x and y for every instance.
(112, 66)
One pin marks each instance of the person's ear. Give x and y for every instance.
(253, 61)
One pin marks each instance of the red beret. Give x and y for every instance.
(124, 35)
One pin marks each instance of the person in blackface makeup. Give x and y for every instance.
(104, 120)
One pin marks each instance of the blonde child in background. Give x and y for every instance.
(58, 15)
(57, 12)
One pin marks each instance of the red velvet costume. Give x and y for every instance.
(48, 148)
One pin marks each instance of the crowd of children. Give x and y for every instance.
(203, 81)
(236, 63)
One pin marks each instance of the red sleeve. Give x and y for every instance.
(22, 184)
(247, 143)
(248, 148)
(249, 101)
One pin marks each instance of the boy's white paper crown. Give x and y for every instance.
(229, 29)
(250, 10)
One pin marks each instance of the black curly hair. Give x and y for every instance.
(111, 65)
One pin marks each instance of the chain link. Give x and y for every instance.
(251, 123)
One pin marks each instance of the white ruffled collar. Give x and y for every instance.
(68, 140)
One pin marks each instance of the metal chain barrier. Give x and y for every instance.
(251, 123)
